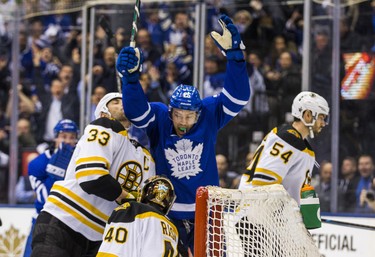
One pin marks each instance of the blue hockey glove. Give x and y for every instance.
(129, 64)
(59, 161)
(230, 42)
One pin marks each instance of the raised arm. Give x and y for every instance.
(236, 91)
(136, 107)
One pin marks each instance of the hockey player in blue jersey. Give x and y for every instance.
(50, 166)
(183, 135)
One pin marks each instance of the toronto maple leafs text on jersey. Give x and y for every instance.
(189, 162)
(184, 159)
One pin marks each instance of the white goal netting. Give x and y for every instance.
(261, 222)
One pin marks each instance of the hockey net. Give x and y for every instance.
(263, 222)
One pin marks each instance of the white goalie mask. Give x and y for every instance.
(102, 105)
(309, 101)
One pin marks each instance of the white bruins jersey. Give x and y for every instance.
(283, 157)
(138, 230)
(103, 150)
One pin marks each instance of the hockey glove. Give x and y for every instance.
(59, 161)
(129, 64)
(132, 196)
(230, 42)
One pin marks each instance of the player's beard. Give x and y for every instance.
(122, 118)
(317, 129)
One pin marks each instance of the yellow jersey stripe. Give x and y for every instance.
(146, 215)
(87, 173)
(78, 216)
(102, 254)
(270, 173)
(93, 159)
(256, 182)
(81, 201)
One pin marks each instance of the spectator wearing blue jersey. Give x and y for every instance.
(214, 77)
(366, 169)
(50, 166)
(183, 135)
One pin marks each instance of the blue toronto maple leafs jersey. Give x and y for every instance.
(188, 161)
(40, 181)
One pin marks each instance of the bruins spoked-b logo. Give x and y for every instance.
(130, 175)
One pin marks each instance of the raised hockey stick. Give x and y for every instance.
(137, 8)
(348, 224)
(103, 22)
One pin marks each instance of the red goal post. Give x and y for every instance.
(263, 222)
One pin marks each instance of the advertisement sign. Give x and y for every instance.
(344, 238)
(333, 240)
(16, 224)
(359, 76)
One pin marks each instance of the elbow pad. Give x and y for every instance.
(105, 187)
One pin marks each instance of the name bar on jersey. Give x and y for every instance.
(183, 207)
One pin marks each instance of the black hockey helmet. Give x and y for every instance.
(159, 192)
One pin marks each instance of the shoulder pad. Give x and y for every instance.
(113, 124)
(128, 211)
(292, 137)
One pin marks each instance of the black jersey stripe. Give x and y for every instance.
(79, 208)
(128, 212)
(262, 176)
(91, 165)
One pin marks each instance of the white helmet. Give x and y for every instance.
(309, 101)
(102, 105)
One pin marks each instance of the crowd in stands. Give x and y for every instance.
(356, 185)
(50, 87)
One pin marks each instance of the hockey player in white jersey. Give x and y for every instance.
(105, 168)
(141, 228)
(285, 156)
